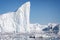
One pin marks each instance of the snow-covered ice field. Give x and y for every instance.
(25, 36)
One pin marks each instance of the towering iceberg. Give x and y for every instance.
(16, 21)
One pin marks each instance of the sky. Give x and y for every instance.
(41, 11)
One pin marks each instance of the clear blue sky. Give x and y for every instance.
(42, 11)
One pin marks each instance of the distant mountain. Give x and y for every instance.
(54, 28)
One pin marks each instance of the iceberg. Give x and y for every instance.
(16, 21)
